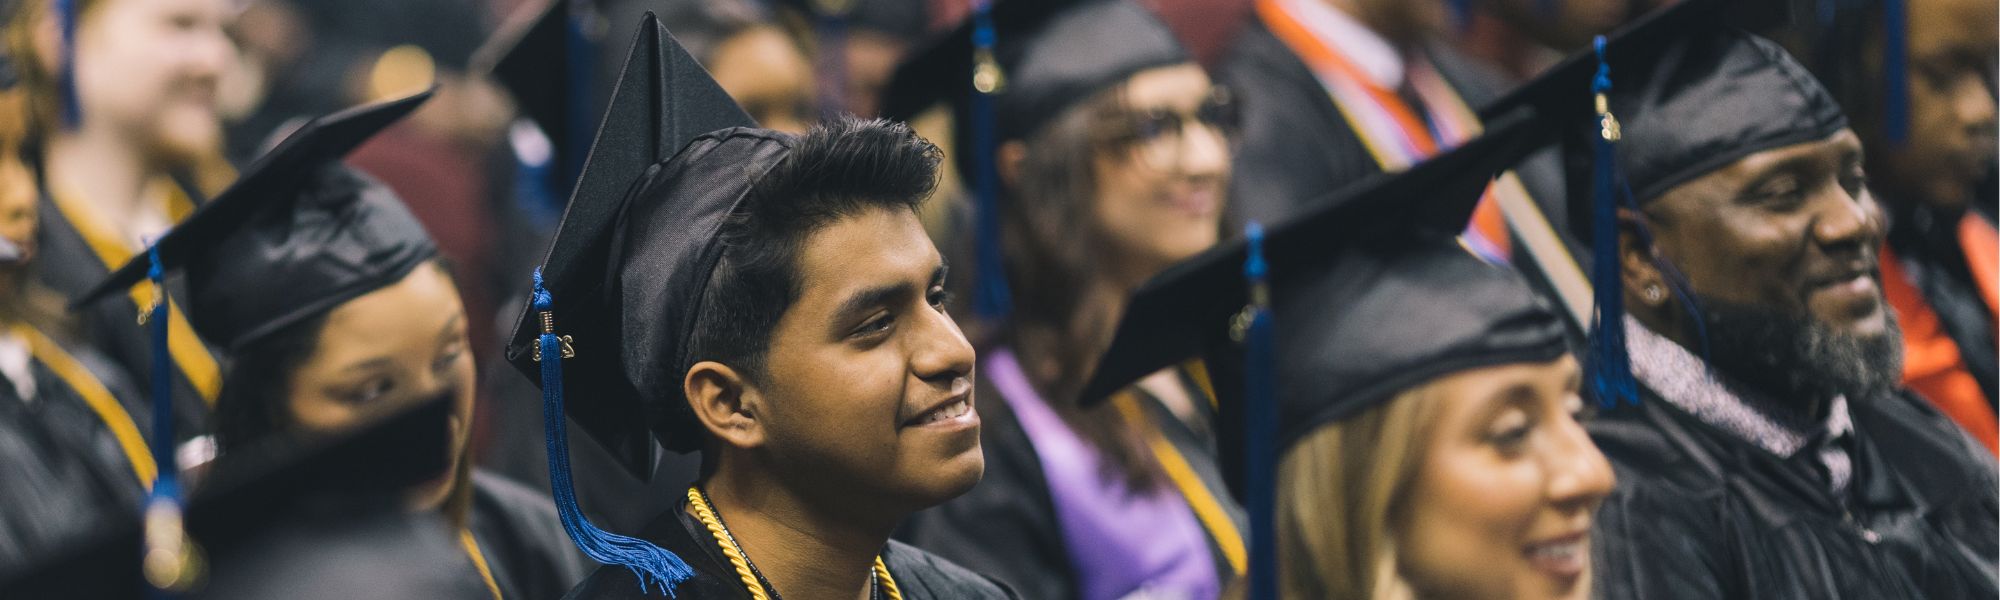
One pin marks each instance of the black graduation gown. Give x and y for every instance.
(67, 265)
(1699, 513)
(1296, 147)
(522, 539)
(1006, 526)
(919, 575)
(63, 469)
(339, 552)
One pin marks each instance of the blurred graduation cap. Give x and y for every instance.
(1675, 96)
(1006, 72)
(623, 279)
(301, 232)
(1335, 311)
(548, 65)
(250, 498)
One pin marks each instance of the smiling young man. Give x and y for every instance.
(1763, 445)
(770, 301)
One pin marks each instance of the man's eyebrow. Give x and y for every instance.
(870, 298)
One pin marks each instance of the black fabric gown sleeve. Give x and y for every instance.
(519, 532)
(1295, 145)
(923, 576)
(51, 493)
(1006, 526)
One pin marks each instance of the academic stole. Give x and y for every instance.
(195, 362)
(1932, 364)
(87, 386)
(1396, 136)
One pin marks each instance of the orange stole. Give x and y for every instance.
(1931, 363)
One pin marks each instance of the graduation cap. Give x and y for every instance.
(1010, 69)
(250, 494)
(548, 65)
(1675, 96)
(622, 283)
(1334, 312)
(298, 230)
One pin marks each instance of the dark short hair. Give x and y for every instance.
(837, 169)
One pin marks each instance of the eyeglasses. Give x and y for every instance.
(1157, 135)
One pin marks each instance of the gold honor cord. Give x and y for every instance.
(741, 563)
(1206, 508)
(108, 409)
(479, 561)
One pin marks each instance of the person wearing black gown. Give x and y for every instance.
(335, 308)
(1763, 445)
(770, 301)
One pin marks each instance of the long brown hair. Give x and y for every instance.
(1054, 248)
(22, 299)
(1338, 492)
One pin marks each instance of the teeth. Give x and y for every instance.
(948, 411)
(1565, 551)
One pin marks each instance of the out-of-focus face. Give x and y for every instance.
(386, 351)
(868, 382)
(1951, 105)
(1162, 178)
(767, 75)
(1501, 505)
(148, 69)
(1790, 230)
(1402, 22)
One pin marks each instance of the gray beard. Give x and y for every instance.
(1797, 360)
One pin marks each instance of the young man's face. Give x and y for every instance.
(867, 386)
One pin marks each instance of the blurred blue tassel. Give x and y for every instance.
(1895, 65)
(992, 301)
(168, 552)
(649, 563)
(72, 110)
(1609, 365)
(1260, 423)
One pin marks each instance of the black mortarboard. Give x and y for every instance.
(1006, 72)
(248, 510)
(1695, 91)
(1372, 291)
(622, 284)
(294, 237)
(1053, 54)
(663, 100)
(1367, 293)
(548, 65)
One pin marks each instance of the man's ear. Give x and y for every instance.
(725, 403)
(1645, 287)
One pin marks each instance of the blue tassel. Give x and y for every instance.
(72, 110)
(991, 299)
(1260, 423)
(649, 563)
(167, 550)
(1461, 13)
(1895, 64)
(1609, 366)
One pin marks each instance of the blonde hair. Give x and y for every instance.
(1338, 491)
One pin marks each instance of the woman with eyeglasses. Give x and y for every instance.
(1113, 157)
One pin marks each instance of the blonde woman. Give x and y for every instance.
(1423, 439)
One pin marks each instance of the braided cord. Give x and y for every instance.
(727, 542)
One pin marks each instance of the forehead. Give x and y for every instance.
(412, 313)
(873, 247)
(1828, 152)
(1953, 26)
(1177, 86)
